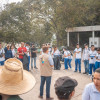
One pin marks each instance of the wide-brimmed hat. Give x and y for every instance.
(13, 79)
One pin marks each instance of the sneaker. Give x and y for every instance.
(84, 73)
(79, 72)
(41, 97)
(35, 67)
(75, 71)
(51, 98)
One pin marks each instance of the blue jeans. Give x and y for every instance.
(34, 62)
(69, 62)
(2, 62)
(97, 65)
(28, 62)
(66, 62)
(86, 64)
(91, 66)
(78, 64)
(48, 83)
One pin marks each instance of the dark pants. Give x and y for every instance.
(69, 63)
(48, 83)
(78, 64)
(91, 66)
(57, 64)
(28, 63)
(66, 63)
(2, 62)
(97, 65)
(86, 64)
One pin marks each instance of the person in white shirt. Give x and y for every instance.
(56, 59)
(77, 53)
(92, 90)
(70, 59)
(66, 57)
(41, 50)
(92, 59)
(85, 58)
(97, 63)
(13, 50)
(28, 54)
(2, 57)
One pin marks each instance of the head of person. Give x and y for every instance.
(27, 43)
(22, 44)
(65, 49)
(43, 45)
(13, 79)
(77, 45)
(55, 48)
(92, 47)
(0, 45)
(33, 45)
(45, 49)
(86, 45)
(48, 44)
(12, 46)
(98, 50)
(65, 88)
(96, 79)
(8, 46)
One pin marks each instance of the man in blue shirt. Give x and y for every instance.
(92, 90)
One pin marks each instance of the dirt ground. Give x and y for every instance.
(81, 78)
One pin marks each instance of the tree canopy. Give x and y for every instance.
(38, 20)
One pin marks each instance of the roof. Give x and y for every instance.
(83, 29)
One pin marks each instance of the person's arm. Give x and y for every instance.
(19, 53)
(51, 61)
(86, 95)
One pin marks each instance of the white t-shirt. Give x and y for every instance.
(2, 51)
(41, 50)
(50, 49)
(85, 54)
(13, 52)
(92, 58)
(98, 57)
(78, 55)
(66, 53)
(28, 49)
(57, 52)
(70, 57)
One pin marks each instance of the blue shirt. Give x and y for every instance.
(91, 93)
(8, 53)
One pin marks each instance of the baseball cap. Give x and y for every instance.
(65, 83)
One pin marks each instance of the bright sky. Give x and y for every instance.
(8, 1)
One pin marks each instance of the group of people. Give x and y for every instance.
(23, 53)
(65, 86)
(89, 56)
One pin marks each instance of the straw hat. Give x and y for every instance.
(13, 79)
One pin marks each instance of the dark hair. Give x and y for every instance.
(97, 70)
(92, 45)
(64, 94)
(45, 49)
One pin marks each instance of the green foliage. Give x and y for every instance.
(37, 20)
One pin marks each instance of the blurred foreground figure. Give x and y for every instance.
(92, 90)
(65, 88)
(14, 80)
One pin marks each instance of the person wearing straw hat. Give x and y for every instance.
(14, 80)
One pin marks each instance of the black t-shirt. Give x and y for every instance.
(32, 53)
